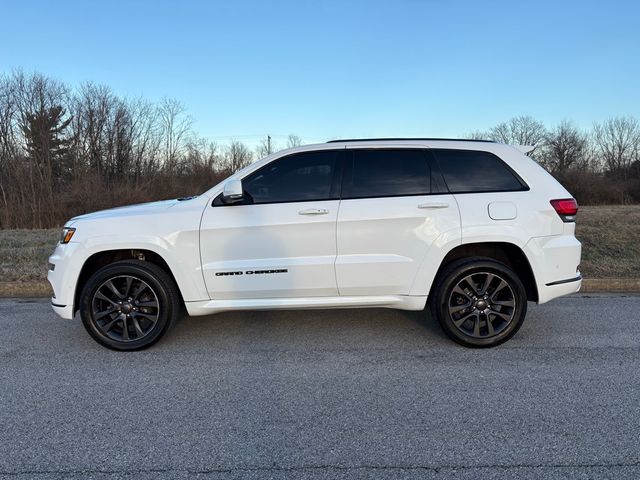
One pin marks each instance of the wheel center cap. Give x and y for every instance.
(481, 304)
(126, 307)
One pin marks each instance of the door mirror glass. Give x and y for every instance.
(232, 192)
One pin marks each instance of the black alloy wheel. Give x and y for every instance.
(478, 302)
(125, 308)
(129, 305)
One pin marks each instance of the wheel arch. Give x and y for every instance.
(505, 252)
(106, 257)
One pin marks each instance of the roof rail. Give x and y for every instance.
(346, 140)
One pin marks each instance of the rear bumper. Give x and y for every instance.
(555, 261)
(559, 289)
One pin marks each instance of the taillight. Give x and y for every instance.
(567, 208)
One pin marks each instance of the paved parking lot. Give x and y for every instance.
(324, 394)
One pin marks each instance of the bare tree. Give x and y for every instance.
(618, 142)
(293, 141)
(176, 126)
(566, 149)
(237, 156)
(478, 135)
(523, 130)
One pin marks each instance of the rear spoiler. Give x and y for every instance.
(525, 148)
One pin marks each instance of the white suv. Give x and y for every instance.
(473, 229)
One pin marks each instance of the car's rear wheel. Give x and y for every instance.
(129, 305)
(479, 302)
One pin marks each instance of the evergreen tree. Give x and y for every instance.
(46, 144)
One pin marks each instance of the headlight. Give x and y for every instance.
(67, 234)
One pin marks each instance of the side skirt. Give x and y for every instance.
(400, 302)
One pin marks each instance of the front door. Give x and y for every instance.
(280, 241)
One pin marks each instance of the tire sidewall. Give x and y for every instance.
(115, 270)
(451, 279)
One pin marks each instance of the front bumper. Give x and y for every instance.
(65, 311)
(65, 264)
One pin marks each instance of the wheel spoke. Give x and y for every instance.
(460, 291)
(108, 326)
(125, 328)
(152, 318)
(136, 325)
(505, 303)
(461, 320)
(490, 329)
(149, 303)
(500, 287)
(113, 288)
(504, 316)
(476, 326)
(457, 308)
(102, 314)
(469, 281)
(102, 296)
(138, 290)
(128, 286)
(487, 281)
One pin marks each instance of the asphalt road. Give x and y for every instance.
(324, 394)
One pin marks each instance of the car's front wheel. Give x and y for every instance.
(129, 305)
(479, 302)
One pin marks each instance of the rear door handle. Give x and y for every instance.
(313, 211)
(433, 205)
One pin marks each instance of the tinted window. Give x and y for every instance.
(297, 178)
(387, 173)
(471, 171)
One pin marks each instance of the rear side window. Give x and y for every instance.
(469, 171)
(387, 173)
(299, 177)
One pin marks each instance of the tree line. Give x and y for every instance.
(601, 166)
(66, 151)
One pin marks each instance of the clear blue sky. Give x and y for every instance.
(342, 69)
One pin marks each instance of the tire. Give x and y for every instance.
(129, 305)
(478, 302)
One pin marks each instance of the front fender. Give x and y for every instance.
(180, 251)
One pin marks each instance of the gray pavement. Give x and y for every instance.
(324, 394)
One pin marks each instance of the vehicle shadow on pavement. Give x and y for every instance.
(303, 329)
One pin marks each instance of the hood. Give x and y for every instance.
(129, 210)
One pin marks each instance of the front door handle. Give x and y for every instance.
(313, 211)
(433, 205)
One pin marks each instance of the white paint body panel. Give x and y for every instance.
(246, 238)
(382, 242)
(365, 252)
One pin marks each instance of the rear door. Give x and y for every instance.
(391, 213)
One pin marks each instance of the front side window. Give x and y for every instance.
(299, 177)
(387, 173)
(470, 171)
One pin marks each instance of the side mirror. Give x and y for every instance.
(232, 192)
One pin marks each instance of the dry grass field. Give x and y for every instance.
(610, 236)
(24, 253)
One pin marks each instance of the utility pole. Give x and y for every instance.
(269, 144)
